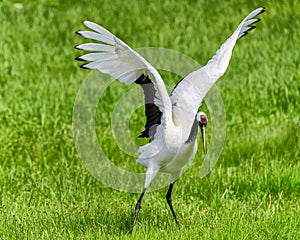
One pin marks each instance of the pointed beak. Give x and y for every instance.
(202, 128)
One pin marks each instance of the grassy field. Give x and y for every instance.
(47, 193)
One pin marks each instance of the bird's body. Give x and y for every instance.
(170, 150)
(172, 120)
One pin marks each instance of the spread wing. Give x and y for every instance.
(112, 56)
(189, 93)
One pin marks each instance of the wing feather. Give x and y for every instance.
(96, 36)
(112, 56)
(96, 47)
(152, 112)
(189, 93)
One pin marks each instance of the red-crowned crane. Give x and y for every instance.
(171, 120)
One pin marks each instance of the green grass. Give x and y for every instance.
(47, 193)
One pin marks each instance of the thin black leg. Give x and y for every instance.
(169, 200)
(137, 208)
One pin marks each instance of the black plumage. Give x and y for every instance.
(152, 112)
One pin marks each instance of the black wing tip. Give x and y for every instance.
(77, 47)
(84, 67)
(263, 9)
(79, 32)
(256, 20)
(251, 28)
(79, 58)
(243, 35)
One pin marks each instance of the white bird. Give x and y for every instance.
(172, 120)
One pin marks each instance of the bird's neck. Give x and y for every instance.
(193, 132)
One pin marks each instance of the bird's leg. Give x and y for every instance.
(150, 175)
(169, 200)
(137, 208)
(138, 205)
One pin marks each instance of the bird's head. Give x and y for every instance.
(202, 121)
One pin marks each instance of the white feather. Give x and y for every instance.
(96, 36)
(97, 47)
(98, 28)
(99, 57)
